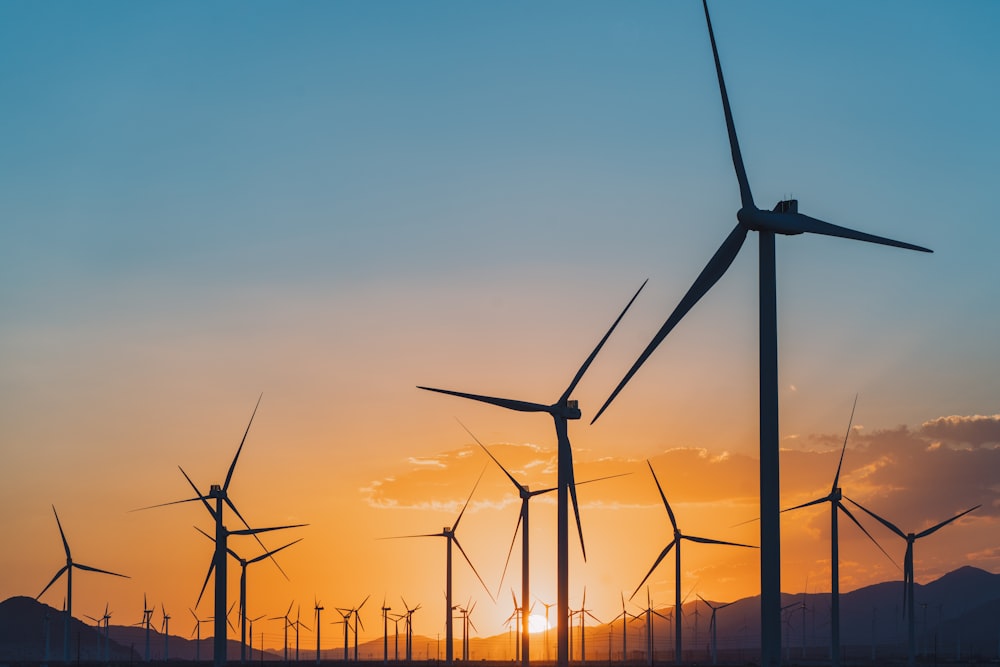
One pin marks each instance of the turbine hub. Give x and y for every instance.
(572, 410)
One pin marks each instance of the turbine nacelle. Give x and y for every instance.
(216, 492)
(782, 220)
(571, 410)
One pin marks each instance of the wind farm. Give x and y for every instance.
(331, 205)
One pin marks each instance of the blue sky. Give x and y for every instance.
(334, 202)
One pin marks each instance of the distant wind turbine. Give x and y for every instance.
(409, 627)
(197, 631)
(675, 544)
(784, 219)
(449, 535)
(712, 627)
(165, 629)
(910, 538)
(836, 506)
(318, 608)
(563, 410)
(68, 570)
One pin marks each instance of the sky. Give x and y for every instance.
(327, 204)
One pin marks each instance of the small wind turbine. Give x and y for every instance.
(583, 613)
(449, 535)
(346, 614)
(298, 624)
(356, 612)
(317, 607)
(147, 621)
(68, 570)
(251, 621)
(409, 628)
(785, 219)
(197, 631)
(910, 538)
(712, 627)
(288, 623)
(563, 410)
(675, 544)
(624, 616)
(165, 629)
(385, 631)
(98, 621)
(834, 498)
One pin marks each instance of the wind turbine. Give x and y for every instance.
(346, 614)
(409, 627)
(147, 621)
(784, 219)
(165, 629)
(385, 631)
(251, 621)
(449, 535)
(298, 624)
(910, 538)
(68, 570)
(650, 612)
(104, 619)
(356, 611)
(834, 498)
(624, 616)
(288, 623)
(197, 631)
(563, 410)
(712, 627)
(675, 544)
(317, 607)
(220, 495)
(244, 563)
(583, 612)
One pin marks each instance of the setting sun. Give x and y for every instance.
(536, 623)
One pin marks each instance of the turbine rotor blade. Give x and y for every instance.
(944, 523)
(670, 512)
(466, 556)
(201, 496)
(510, 404)
(798, 223)
(857, 523)
(94, 569)
(663, 554)
(884, 522)
(61, 533)
(513, 539)
(48, 585)
(586, 364)
(808, 504)
(850, 422)
(746, 198)
(273, 551)
(716, 267)
(232, 466)
(490, 454)
(467, 501)
(707, 540)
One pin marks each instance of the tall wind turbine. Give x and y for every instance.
(68, 570)
(834, 498)
(318, 608)
(712, 627)
(449, 535)
(783, 219)
(288, 623)
(675, 544)
(910, 538)
(244, 563)
(563, 410)
(197, 631)
(165, 629)
(356, 611)
(220, 495)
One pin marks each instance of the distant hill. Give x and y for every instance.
(957, 615)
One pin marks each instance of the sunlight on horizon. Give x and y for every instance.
(536, 623)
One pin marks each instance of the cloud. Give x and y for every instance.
(977, 430)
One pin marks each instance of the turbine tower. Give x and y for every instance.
(449, 535)
(910, 538)
(563, 410)
(786, 220)
(68, 570)
(834, 498)
(675, 544)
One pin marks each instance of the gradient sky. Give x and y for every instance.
(331, 203)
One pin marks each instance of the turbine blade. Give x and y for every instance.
(510, 404)
(663, 554)
(714, 270)
(173, 502)
(48, 585)
(61, 533)
(586, 364)
(513, 539)
(490, 454)
(808, 504)
(200, 496)
(708, 540)
(850, 422)
(94, 569)
(797, 223)
(857, 523)
(466, 556)
(746, 198)
(232, 466)
(884, 522)
(944, 523)
(576, 503)
(273, 551)
(670, 512)
(467, 501)
(211, 567)
(254, 531)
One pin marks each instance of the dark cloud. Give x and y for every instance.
(974, 430)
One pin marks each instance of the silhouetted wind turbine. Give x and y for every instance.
(298, 624)
(147, 621)
(409, 628)
(346, 616)
(583, 612)
(104, 619)
(288, 623)
(910, 538)
(165, 629)
(624, 616)
(356, 611)
(676, 545)
(449, 535)
(712, 628)
(317, 607)
(784, 219)
(244, 563)
(68, 570)
(563, 410)
(197, 631)
(220, 494)
(834, 498)
(385, 631)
